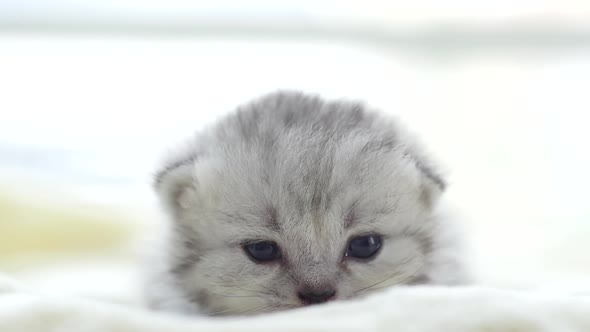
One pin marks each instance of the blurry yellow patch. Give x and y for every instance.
(28, 229)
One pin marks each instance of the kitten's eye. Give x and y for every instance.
(363, 246)
(263, 251)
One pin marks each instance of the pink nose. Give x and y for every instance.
(314, 296)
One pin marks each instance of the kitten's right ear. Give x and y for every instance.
(176, 186)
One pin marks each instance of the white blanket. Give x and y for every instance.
(402, 309)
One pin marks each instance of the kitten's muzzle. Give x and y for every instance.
(314, 296)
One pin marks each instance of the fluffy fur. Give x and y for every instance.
(307, 174)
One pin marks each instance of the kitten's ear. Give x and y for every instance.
(176, 186)
(433, 186)
(433, 183)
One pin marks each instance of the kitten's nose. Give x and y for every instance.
(313, 296)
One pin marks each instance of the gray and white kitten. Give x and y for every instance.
(294, 200)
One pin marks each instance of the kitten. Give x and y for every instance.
(293, 200)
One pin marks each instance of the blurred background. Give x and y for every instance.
(92, 92)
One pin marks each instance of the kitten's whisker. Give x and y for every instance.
(231, 292)
(272, 291)
(377, 283)
(234, 287)
(259, 308)
(403, 280)
(217, 313)
(241, 296)
(371, 287)
(249, 310)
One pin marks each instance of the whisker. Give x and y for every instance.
(377, 283)
(260, 308)
(242, 296)
(401, 281)
(256, 308)
(272, 291)
(217, 313)
(372, 287)
(233, 287)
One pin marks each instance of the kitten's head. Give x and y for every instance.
(291, 204)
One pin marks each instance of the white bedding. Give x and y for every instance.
(402, 309)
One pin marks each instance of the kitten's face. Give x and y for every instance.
(264, 237)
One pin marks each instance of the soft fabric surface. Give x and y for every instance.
(402, 309)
